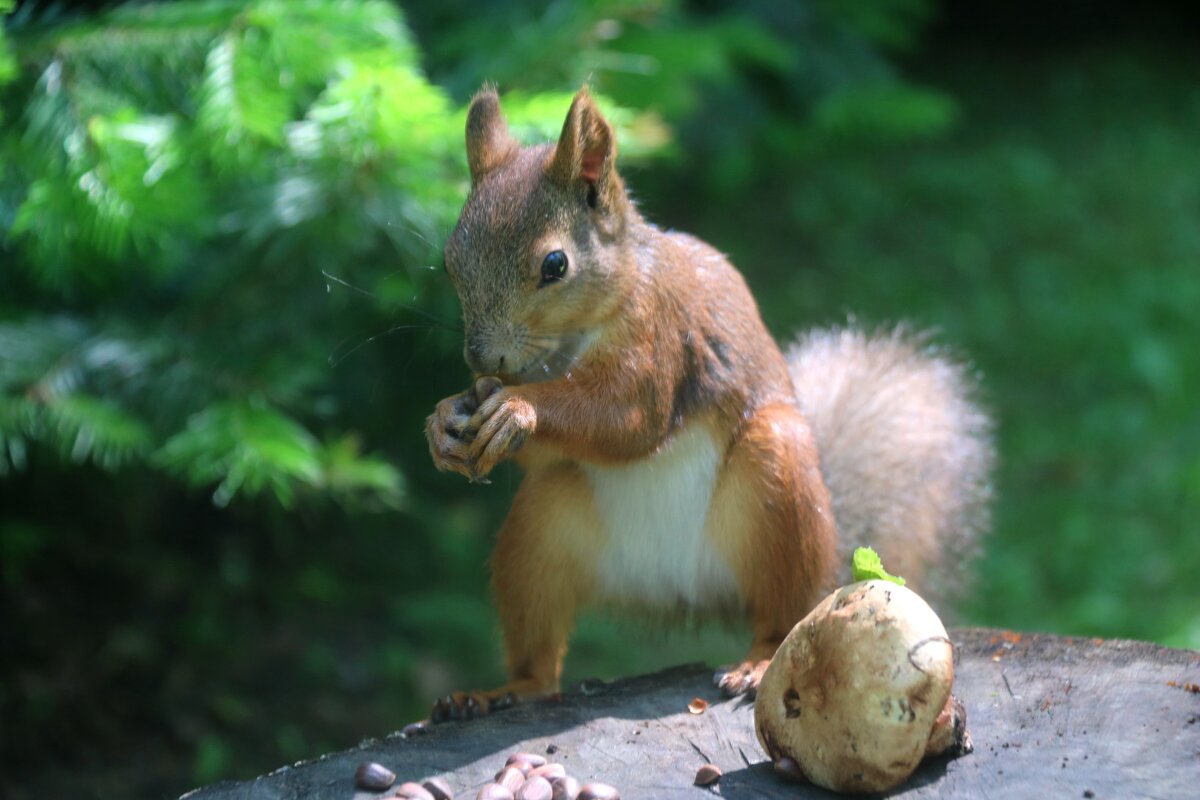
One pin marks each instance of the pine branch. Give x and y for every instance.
(241, 103)
(133, 30)
(16, 415)
(85, 427)
(8, 61)
(183, 174)
(46, 368)
(249, 447)
(358, 479)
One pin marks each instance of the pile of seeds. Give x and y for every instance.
(524, 776)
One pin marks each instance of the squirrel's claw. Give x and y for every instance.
(470, 432)
(505, 421)
(459, 706)
(740, 679)
(449, 433)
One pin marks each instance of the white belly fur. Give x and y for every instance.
(655, 512)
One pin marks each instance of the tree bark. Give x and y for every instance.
(1050, 717)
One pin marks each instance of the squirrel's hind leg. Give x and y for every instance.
(772, 520)
(541, 574)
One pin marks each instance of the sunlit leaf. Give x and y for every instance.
(243, 447)
(348, 473)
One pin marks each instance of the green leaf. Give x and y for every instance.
(8, 62)
(868, 566)
(243, 107)
(348, 473)
(16, 414)
(90, 427)
(40, 355)
(243, 447)
(536, 117)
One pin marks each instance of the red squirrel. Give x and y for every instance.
(674, 458)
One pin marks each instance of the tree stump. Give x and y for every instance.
(1050, 717)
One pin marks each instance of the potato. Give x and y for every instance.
(859, 691)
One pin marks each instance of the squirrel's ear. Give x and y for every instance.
(587, 150)
(488, 142)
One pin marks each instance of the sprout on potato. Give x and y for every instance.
(859, 691)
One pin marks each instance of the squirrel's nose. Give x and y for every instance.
(479, 359)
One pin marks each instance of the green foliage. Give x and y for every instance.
(893, 24)
(1052, 242)
(176, 168)
(867, 566)
(246, 447)
(45, 394)
(222, 325)
(220, 224)
(780, 76)
(8, 64)
(881, 113)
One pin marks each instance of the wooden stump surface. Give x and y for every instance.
(1051, 717)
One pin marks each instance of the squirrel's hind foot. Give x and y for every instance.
(469, 705)
(740, 679)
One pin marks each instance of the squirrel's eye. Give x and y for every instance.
(554, 267)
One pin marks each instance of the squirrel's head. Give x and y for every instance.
(539, 257)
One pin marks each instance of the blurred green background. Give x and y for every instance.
(223, 320)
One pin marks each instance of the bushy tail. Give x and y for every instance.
(905, 450)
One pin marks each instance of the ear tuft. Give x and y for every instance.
(488, 141)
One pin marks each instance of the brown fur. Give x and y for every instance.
(648, 333)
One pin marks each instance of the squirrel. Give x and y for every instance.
(675, 459)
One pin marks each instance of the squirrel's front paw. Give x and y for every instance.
(502, 424)
(446, 430)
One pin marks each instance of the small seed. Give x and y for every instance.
(698, 705)
(413, 791)
(598, 791)
(510, 778)
(536, 788)
(439, 789)
(708, 774)
(373, 777)
(548, 771)
(532, 759)
(565, 788)
(494, 791)
(486, 386)
(524, 766)
(415, 729)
